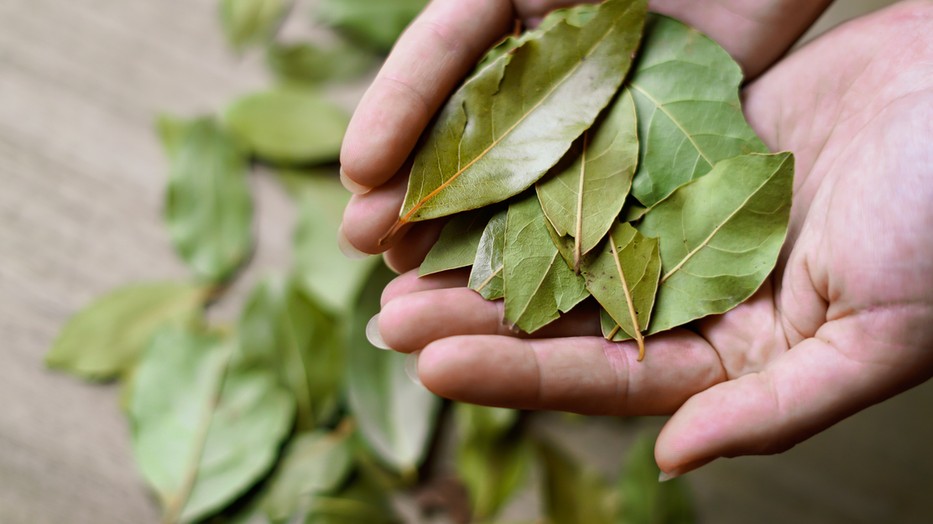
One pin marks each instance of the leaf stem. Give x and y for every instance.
(636, 331)
(577, 242)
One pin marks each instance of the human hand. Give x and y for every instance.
(845, 321)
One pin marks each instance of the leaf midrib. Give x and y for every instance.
(662, 107)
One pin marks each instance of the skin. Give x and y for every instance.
(846, 319)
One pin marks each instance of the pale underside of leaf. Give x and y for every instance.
(516, 118)
(486, 274)
(720, 236)
(584, 199)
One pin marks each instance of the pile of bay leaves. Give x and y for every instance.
(651, 192)
(285, 413)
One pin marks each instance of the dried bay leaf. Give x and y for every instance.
(284, 330)
(720, 236)
(486, 274)
(456, 247)
(584, 199)
(375, 23)
(515, 118)
(248, 22)
(686, 91)
(288, 125)
(537, 284)
(396, 417)
(105, 339)
(204, 429)
(208, 207)
(623, 277)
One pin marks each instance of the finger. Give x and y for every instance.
(367, 217)
(408, 252)
(428, 60)
(583, 374)
(803, 392)
(412, 321)
(410, 282)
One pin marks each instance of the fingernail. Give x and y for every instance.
(348, 249)
(664, 476)
(411, 367)
(373, 335)
(353, 186)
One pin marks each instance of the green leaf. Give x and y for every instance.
(105, 339)
(720, 236)
(396, 417)
(204, 430)
(572, 492)
(514, 119)
(361, 502)
(287, 125)
(537, 283)
(491, 462)
(375, 23)
(644, 500)
(486, 275)
(171, 130)
(686, 91)
(247, 22)
(324, 272)
(623, 277)
(283, 329)
(310, 64)
(584, 199)
(313, 463)
(456, 247)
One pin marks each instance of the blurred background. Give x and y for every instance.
(81, 181)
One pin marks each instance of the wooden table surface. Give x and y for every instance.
(81, 176)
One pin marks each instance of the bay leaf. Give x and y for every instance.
(486, 274)
(644, 500)
(492, 462)
(310, 64)
(720, 236)
(396, 417)
(375, 23)
(456, 246)
(584, 199)
(623, 277)
(318, 462)
(362, 501)
(208, 207)
(573, 492)
(514, 119)
(537, 284)
(288, 125)
(104, 340)
(247, 22)
(686, 91)
(564, 244)
(284, 330)
(321, 268)
(204, 430)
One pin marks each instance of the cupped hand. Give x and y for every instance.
(845, 321)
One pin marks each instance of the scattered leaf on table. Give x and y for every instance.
(720, 236)
(208, 206)
(583, 199)
(288, 125)
(686, 91)
(623, 277)
(324, 272)
(376, 23)
(515, 118)
(283, 329)
(396, 417)
(644, 500)
(537, 284)
(105, 339)
(311, 64)
(247, 22)
(486, 274)
(456, 247)
(204, 431)
(572, 492)
(313, 463)
(491, 462)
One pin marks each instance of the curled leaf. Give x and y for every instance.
(486, 275)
